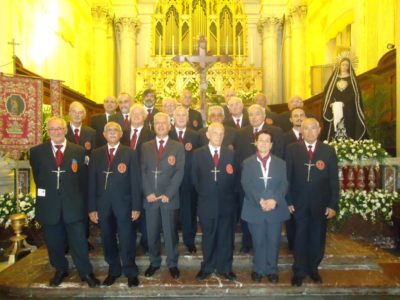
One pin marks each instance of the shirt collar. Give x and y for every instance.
(64, 143)
(164, 139)
(177, 131)
(115, 147)
(73, 127)
(212, 149)
(312, 145)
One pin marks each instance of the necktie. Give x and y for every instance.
(300, 137)
(237, 123)
(215, 158)
(59, 155)
(111, 156)
(255, 133)
(76, 136)
(126, 122)
(148, 114)
(180, 137)
(133, 139)
(160, 149)
(310, 153)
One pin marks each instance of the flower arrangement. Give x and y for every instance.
(371, 206)
(349, 150)
(8, 207)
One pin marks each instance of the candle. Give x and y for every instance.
(159, 45)
(173, 45)
(251, 51)
(226, 46)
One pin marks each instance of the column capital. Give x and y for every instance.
(297, 14)
(269, 23)
(127, 25)
(100, 14)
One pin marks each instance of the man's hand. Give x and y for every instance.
(330, 213)
(164, 198)
(94, 217)
(291, 209)
(135, 215)
(267, 204)
(151, 198)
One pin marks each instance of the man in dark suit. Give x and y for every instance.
(77, 132)
(271, 118)
(122, 117)
(163, 164)
(264, 206)
(216, 115)
(237, 118)
(114, 203)
(227, 95)
(195, 119)
(284, 117)
(60, 205)
(244, 147)
(189, 138)
(214, 177)
(297, 116)
(97, 122)
(312, 169)
(138, 134)
(149, 101)
(168, 106)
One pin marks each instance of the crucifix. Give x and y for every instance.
(215, 171)
(13, 44)
(108, 172)
(58, 172)
(156, 172)
(202, 62)
(309, 165)
(265, 177)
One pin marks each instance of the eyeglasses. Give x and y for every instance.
(55, 129)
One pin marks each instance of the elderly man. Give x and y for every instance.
(149, 101)
(312, 169)
(271, 118)
(195, 120)
(168, 107)
(57, 167)
(162, 164)
(114, 203)
(244, 146)
(214, 177)
(228, 94)
(97, 122)
(122, 117)
(77, 132)
(190, 139)
(216, 115)
(237, 118)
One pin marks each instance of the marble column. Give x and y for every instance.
(126, 30)
(111, 72)
(100, 76)
(270, 27)
(298, 74)
(287, 41)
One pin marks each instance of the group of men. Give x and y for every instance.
(141, 168)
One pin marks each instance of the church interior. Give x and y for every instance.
(281, 48)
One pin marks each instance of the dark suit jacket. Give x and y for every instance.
(229, 137)
(145, 135)
(191, 141)
(171, 165)
(244, 143)
(119, 118)
(214, 198)
(195, 120)
(254, 189)
(229, 122)
(289, 137)
(122, 194)
(68, 202)
(149, 122)
(323, 190)
(87, 137)
(97, 122)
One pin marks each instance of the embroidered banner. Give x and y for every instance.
(55, 97)
(20, 113)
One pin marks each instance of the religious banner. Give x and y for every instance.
(20, 114)
(55, 97)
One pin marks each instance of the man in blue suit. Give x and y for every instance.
(214, 177)
(114, 203)
(264, 207)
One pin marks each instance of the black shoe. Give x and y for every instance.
(229, 275)
(297, 281)
(150, 271)
(58, 278)
(91, 280)
(110, 279)
(245, 249)
(90, 246)
(133, 281)
(174, 271)
(202, 275)
(273, 278)
(191, 248)
(316, 277)
(256, 277)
